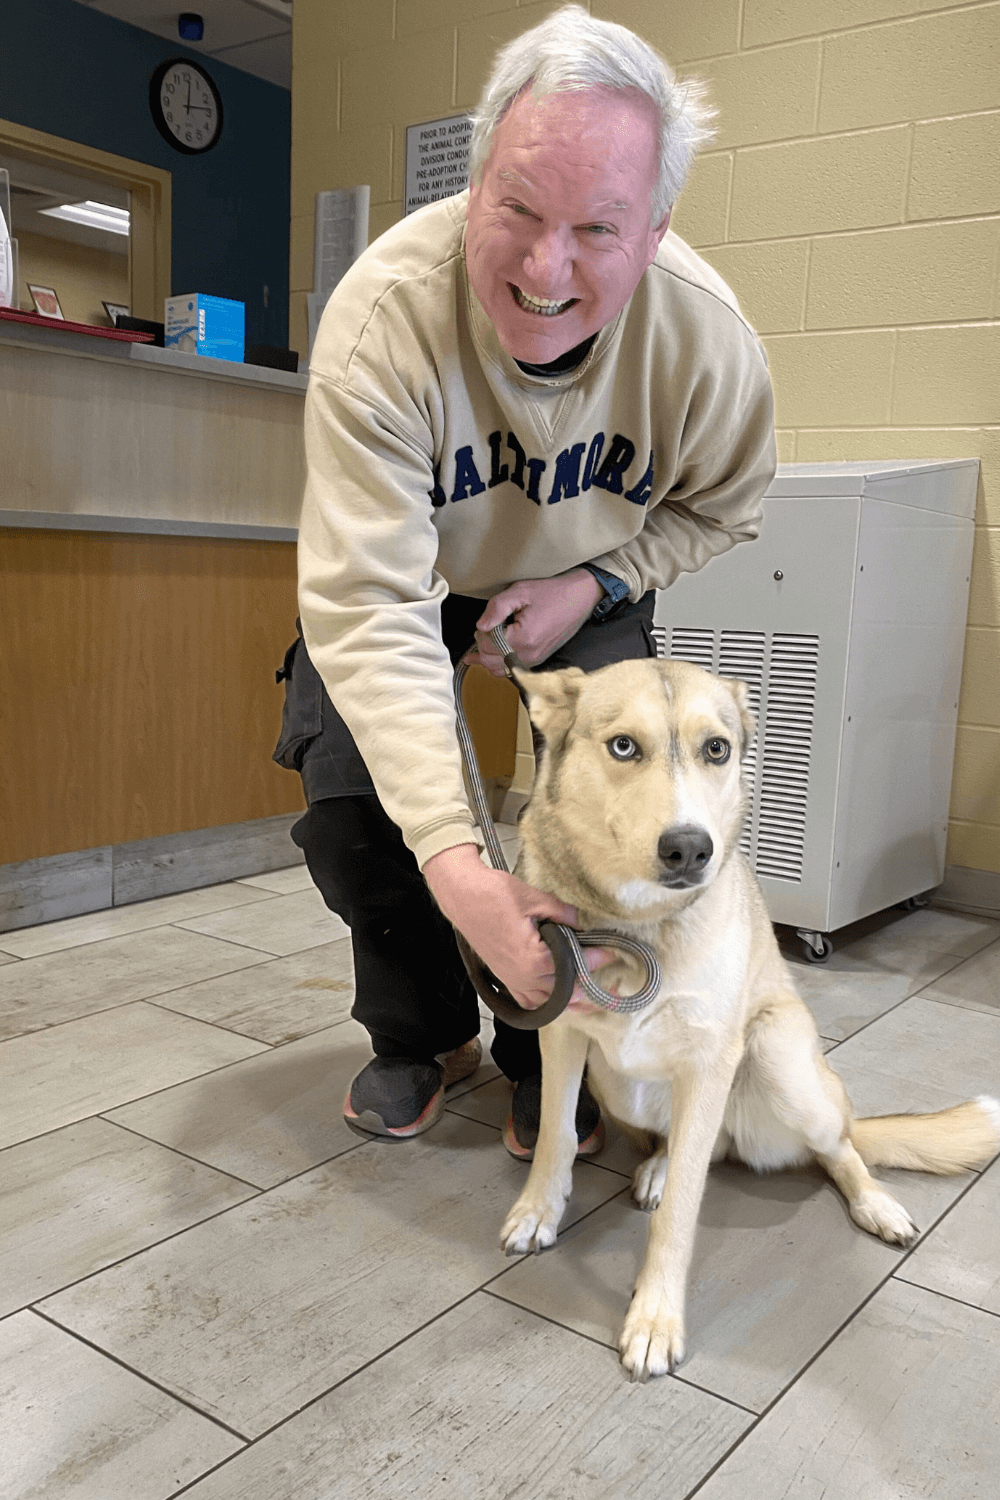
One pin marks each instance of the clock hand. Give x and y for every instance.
(188, 104)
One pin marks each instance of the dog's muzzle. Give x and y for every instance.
(684, 852)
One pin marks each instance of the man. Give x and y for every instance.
(528, 403)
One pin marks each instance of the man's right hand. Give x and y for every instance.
(497, 914)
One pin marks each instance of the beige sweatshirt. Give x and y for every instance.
(435, 464)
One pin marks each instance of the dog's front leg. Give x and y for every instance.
(534, 1220)
(652, 1341)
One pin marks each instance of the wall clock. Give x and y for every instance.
(186, 106)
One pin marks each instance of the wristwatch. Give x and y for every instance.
(616, 593)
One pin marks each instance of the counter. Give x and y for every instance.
(96, 431)
(148, 510)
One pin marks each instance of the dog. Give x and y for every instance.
(635, 819)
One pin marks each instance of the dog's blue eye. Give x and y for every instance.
(623, 748)
(717, 750)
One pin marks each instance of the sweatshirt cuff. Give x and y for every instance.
(618, 564)
(447, 836)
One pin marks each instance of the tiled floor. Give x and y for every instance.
(209, 1286)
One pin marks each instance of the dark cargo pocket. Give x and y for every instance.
(302, 715)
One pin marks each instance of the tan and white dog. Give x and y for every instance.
(635, 820)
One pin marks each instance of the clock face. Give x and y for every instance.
(186, 106)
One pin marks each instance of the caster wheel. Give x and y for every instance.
(914, 903)
(822, 957)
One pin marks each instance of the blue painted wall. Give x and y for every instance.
(75, 73)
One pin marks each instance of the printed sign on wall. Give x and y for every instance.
(437, 160)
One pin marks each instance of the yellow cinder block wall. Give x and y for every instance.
(851, 199)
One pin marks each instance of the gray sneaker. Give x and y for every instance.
(399, 1097)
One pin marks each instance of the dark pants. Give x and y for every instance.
(411, 990)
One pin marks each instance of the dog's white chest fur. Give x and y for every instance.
(692, 1016)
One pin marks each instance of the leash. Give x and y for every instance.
(565, 944)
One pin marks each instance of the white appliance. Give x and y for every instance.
(847, 621)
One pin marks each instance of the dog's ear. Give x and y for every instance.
(551, 698)
(741, 695)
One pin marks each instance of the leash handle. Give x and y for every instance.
(499, 998)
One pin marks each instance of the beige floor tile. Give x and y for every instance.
(53, 1078)
(974, 985)
(924, 1044)
(283, 925)
(271, 1117)
(265, 1307)
(778, 1265)
(282, 882)
(8, 958)
(509, 842)
(962, 1256)
(881, 961)
(116, 921)
(59, 987)
(277, 1000)
(76, 1424)
(265, 1119)
(901, 1405)
(76, 1200)
(846, 997)
(488, 1401)
(900, 940)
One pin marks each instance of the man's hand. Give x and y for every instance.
(496, 912)
(546, 611)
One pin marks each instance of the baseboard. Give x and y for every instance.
(975, 891)
(68, 885)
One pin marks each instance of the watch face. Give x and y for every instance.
(186, 106)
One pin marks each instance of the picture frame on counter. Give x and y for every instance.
(46, 301)
(116, 310)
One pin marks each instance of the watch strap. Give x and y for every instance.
(616, 593)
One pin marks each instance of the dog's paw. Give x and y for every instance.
(652, 1342)
(879, 1213)
(649, 1180)
(530, 1227)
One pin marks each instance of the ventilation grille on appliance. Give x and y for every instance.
(780, 673)
(697, 646)
(784, 784)
(741, 654)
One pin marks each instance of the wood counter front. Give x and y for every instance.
(148, 511)
(137, 691)
(138, 694)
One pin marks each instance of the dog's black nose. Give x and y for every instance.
(684, 852)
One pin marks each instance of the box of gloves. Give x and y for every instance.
(200, 324)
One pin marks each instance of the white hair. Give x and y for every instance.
(571, 50)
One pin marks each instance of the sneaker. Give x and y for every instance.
(396, 1097)
(520, 1133)
(461, 1063)
(400, 1097)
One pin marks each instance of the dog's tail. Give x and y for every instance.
(951, 1140)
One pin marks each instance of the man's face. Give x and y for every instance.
(558, 232)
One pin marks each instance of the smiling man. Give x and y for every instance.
(533, 404)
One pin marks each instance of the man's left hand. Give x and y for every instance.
(546, 612)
